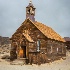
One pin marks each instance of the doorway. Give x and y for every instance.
(24, 51)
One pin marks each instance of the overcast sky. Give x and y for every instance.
(53, 13)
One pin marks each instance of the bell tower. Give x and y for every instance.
(30, 11)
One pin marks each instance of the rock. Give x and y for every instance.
(2, 52)
(0, 60)
(64, 58)
(5, 57)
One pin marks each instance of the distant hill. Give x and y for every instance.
(4, 40)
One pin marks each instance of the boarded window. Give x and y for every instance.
(38, 45)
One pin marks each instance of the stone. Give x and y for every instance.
(5, 57)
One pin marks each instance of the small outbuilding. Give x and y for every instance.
(67, 39)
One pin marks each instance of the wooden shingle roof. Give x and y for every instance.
(48, 31)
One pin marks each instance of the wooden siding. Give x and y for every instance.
(50, 49)
(47, 53)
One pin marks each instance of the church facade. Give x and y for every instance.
(34, 42)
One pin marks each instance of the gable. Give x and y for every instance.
(47, 31)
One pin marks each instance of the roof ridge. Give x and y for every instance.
(48, 31)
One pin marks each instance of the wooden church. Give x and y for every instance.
(36, 43)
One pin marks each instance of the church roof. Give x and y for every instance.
(47, 31)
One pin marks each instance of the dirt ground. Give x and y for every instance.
(56, 65)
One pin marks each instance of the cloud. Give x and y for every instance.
(53, 13)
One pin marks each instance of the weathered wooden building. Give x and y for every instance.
(67, 39)
(35, 42)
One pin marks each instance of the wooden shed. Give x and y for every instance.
(67, 39)
(35, 42)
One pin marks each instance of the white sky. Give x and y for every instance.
(53, 13)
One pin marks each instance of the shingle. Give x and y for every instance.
(48, 31)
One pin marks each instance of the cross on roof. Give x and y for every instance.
(30, 1)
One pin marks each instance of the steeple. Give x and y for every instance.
(30, 1)
(30, 11)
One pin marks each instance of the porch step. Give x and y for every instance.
(21, 61)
